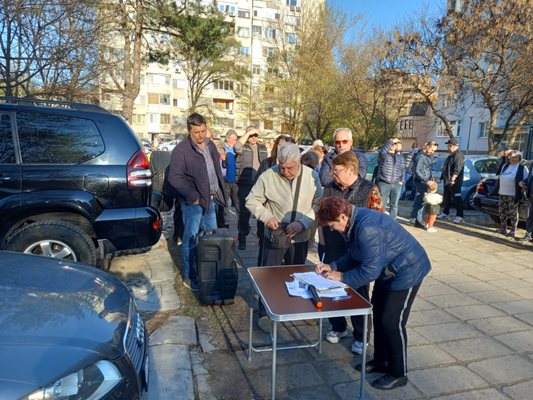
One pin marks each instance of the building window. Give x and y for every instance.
(291, 38)
(292, 3)
(226, 8)
(483, 130)
(243, 32)
(174, 102)
(153, 118)
(267, 124)
(269, 89)
(165, 119)
(244, 51)
(153, 98)
(271, 33)
(223, 85)
(268, 51)
(106, 96)
(243, 13)
(256, 69)
(139, 118)
(257, 12)
(164, 99)
(256, 31)
(455, 127)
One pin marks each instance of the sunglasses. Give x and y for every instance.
(341, 141)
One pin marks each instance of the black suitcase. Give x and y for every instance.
(217, 269)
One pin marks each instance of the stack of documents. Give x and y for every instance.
(325, 287)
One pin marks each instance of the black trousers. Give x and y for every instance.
(339, 324)
(244, 214)
(294, 255)
(452, 198)
(391, 310)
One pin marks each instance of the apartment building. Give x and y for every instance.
(261, 27)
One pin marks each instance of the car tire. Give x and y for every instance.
(469, 200)
(58, 239)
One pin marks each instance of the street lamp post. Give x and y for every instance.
(469, 131)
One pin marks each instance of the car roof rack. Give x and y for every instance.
(33, 102)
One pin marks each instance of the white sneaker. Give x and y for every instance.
(334, 337)
(442, 216)
(412, 221)
(431, 230)
(458, 220)
(357, 347)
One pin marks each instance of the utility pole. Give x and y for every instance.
(469, 131)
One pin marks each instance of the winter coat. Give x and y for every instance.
(454, 165)
(391, 167)
(188, 174)
(327, 162)
(245, 157)
(381, 249)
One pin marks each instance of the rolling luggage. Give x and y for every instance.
(216, 268)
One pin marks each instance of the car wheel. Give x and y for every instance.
(57, 239)
(165, 149)
(495, 218)
(469, 200)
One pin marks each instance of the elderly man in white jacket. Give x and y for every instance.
(271, 200)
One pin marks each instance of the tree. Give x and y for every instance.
(201, 42)
(48, 49)
(491, 44)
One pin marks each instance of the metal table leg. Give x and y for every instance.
(363, 358)
(250, 334)
(274, 354)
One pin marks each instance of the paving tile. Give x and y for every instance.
(475, 349)
(446, 332)
(495, 296)
(528, 318)
(474, 286)
(516, 307)
(455, 278)
(350, 391)
(421, 305)
(414, 338)
(483, 394)
(511, 283)
(436, 290)
(487, 276)
(446, 301)
(427, 356)
(475, 312)
(500, 325)
(503, 370)
(519, 341)
(429, 317)
(524, 292)
(444, 380)
(520, 391)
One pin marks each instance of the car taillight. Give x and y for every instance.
(139, 174)
(480, 188)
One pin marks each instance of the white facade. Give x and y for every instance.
(161, 108)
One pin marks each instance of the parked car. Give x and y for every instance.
(68, 331)
(477, 167)
(167, 146)
(147, 146)
(74, 182)
(487, 200)
(372, 160)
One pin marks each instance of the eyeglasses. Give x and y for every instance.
(336, 172)
(338, 142)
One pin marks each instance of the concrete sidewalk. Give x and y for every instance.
(470, 330)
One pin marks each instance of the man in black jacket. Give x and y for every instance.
(452, 179)
(196, 175)
(421, 176)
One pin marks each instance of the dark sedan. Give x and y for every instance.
(68, 331)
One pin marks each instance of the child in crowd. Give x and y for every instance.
(431, 205)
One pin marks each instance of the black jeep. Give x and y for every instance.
(74, 182)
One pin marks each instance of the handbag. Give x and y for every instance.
(278, 237)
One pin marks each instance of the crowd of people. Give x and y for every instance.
(324, 195)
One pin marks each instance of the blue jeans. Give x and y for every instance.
(418, 204)
(194, 220)
(390, 194)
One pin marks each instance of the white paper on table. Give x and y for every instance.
(299, 289)
(320, 282)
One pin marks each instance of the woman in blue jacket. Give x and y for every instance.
(380, 250)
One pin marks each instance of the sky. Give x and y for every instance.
(385, 14)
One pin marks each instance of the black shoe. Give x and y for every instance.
(419, 225)
(371, 367)
(388, 382)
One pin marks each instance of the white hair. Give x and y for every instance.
(287, 152)
(343, 130)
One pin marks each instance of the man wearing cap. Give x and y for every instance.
(421, 176)
(249, 154)
(391, 173)
(452, 179)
